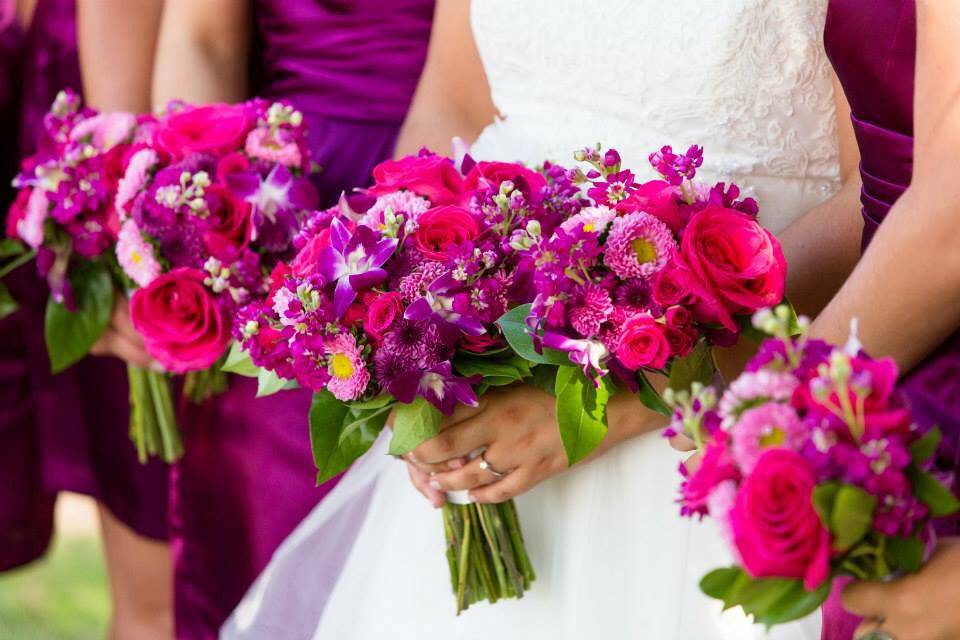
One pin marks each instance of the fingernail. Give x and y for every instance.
(156, 367)
(412, 457)
(435, 485)
(455, 464)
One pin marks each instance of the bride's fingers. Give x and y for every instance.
(438, 467)
(515, 483)
(456, 442)
(681, 442)
(421, 481)
(472, 475)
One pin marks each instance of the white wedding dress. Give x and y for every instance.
(748, 80)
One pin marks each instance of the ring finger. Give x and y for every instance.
(482, 470)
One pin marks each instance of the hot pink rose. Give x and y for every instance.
(681, 340)
(672, 285)
(230, 164)
(479, 344)
(229, 224)
(181, 323)
(643, 343)
(215, 128)
(307, 260)
(433, 177)
(737, 266)
(441, 228)
(659, 199)
(531, 182)
(382, 313)
(775, 527)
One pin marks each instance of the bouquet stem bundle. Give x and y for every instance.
(153, 425)
(486, 553)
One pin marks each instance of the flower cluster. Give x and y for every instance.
(67, 189)
(386, 290)
(639, 273)
(209, 199)
(811, 465)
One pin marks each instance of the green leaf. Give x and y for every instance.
(8, 304)
(770, 601)
(721, 584)
(413, 424)
(514, 326)
(824, 499)
(269, 383)
(852, 516)
(650, 398)
(494, 372)
(10, 248)
(239, 362)
(581, 413)
(697, 366)
(904, 554)
(545, 378)
(334, 449)
(71, 334)
(923, 449)
(374, 403)
(932, 493)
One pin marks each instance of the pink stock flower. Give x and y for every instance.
(348, 372)
(136, 256)
(771, 425)
(407, 203)
(776, 529)
(716, 469)
(594, 220)
(134, 179)
(106, 130)
(495, 173)
(30, 226)
(752, 387)
(639, 245)
(271, 146)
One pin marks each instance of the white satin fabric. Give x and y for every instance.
(748, 80)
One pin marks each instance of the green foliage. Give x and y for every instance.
(923, 449)
(581, 412)
(495, 373)
(515, 330)
(413, 424)
(339, 434)
(238, 362)
(932, 493)
(71, 334)
(771, 601)
(697, 366)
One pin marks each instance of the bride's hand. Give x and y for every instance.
(518, 427)
(121, 340)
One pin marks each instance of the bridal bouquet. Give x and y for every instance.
(813, 469)
(641, 276)
(391, 305)
(207, 204)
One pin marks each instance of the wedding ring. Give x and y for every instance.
(486, 467)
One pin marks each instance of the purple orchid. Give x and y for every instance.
(438, 385)
(354, 261)
(589, 355)
(274, 198)
(447, 307)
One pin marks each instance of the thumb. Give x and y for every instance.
(869, 599)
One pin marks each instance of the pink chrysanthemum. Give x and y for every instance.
(135, 255)
(348, 372)
(593, 219)
(134, 178)
(415, 285)
(638, 245)
(754, 387)
(772, 425)
(270, 146)
(612, 330)
(407, 203)
(590, 308)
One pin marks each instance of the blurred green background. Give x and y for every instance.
(63, 596)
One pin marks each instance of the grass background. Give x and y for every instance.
(63, 596)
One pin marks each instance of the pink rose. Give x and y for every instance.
(643, 343)
(681, 341)
(230, 164)
(433, 177)
(775, 527)
(530, 182)
(382, 313)
(307, 260)
(214, 128)
(679, 317)
(737, 266)
(479, 344)
(181, 323)
(671, 285)
(229, 224)
(443, 228)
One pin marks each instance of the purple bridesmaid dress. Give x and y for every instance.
(872, 44)
(65, 432)
(248, 479)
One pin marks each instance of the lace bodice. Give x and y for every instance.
(747, 79)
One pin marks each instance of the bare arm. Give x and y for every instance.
(823, 246)
(453, 98)
(117, 40)
(203, 52)
(906, 289)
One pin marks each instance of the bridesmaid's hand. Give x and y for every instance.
(518, 427)
(922, 606)
(121, 340)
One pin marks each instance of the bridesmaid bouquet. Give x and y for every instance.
(813, 468)
(640, 277)
(390, 306)
(207, 204)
